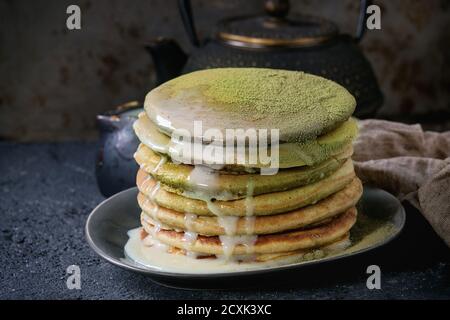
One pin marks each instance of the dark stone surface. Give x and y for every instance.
(48, 190)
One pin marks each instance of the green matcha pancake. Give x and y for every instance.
(200, 182)
(229, 225)
(313, 237)
(261, 205)
(268, 259)
(291, 154)
(301, 106)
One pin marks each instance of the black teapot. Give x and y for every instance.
(115, 166)
(276, 40)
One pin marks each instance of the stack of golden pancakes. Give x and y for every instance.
(232, 210)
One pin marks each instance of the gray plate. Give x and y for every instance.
(108, 223)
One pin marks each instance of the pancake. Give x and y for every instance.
(285, 257)
(200, 182)
(264, 204)
(271, 243)
(290, 154)
(305, 254)
(302, 106)
(228, 225)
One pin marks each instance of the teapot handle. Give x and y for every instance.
(186, 15)
(361, 27)
(188, 21)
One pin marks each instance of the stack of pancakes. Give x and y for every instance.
(231, 210)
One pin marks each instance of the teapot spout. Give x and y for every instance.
(168, 58)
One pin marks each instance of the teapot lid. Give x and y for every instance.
(275, 29)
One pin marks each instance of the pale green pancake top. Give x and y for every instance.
(291, 154)
(302, 106)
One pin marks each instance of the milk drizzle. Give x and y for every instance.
(229, 224)
(162, 160)
(146, 183)
(230, 242)
(249, 208)
(189, 237)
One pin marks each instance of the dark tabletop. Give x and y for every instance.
(48, 190)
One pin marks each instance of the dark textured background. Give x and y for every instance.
(53, 81)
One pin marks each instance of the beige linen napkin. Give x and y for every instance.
(410, 163)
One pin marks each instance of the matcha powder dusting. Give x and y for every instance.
(301, 105)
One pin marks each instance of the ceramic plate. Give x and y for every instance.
(109, 222)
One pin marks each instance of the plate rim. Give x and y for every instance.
(193, 276)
